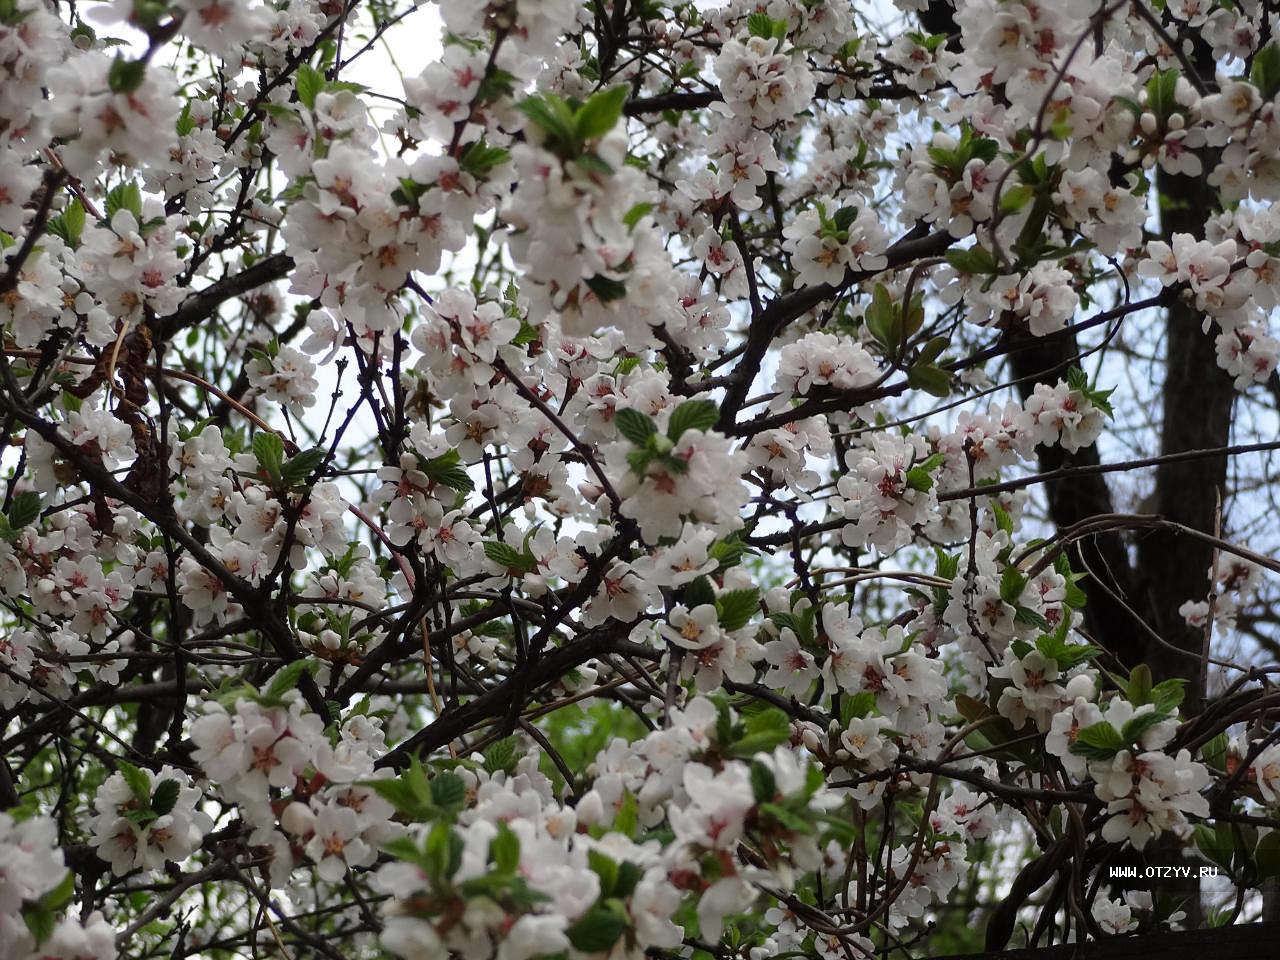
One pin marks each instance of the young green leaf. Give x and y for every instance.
(138, 781)
(634, 425)
(286, 679)
(764, 786)
(24, 509)
(1101, 741)
(599, 928)
(448, 792)
(600, 113)
(308, 84)
(165, 797)
(126, 76)
(296, 471)
(736, 607)
(268, 448)
(692, 415)
(504, 850)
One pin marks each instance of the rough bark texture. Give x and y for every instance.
(1198, 398)
(1109, 615)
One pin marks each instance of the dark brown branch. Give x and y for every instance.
(203, 305)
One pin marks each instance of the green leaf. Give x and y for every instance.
(788, 818)
(448, 792)
(1216, 845)
(932, 380)
(69, 225)
(138, 781)
(635, 214)
(338, 86)
(634, 425)
(1101, 741)
(1066, 655)
(844, 218)
(945, 565)
(403, 848)
(728, 552)
(299, 468)
(125, 196)
(1031, 243)
(931, 350)
(287, 678)
(408, 193)
(1061, 128)
(554, 117)
(480, 159)
(606, 868)
(74, 219)
(268, 448)
(699, 591)
(600, 113)
(736, 607)
(1160, 94)
(599, 928)
(61, 895)
(308, 85)
(410, 793)
(1028, 617)
(975, 260)
(1138, 690)
(447, 469)
(764, 786)
(165, 797)
(880, 317)
(126, 76)
(24, 510)
(1004, 521)
(501, 756)
(1267, 856)
(1167, 695)
(762, 732)
(1012, 583)
(982, 148)
(605, 288)
(443, 851)
(185, 125)
(692, 415)
(1136, 726)
(724, 724)
(504, 849)
(41, 917)
(1264, 73)
(1015, 198)
(81, 29)
(1214, 753)
(918, 479)
(629, 875)
(857, 706)
(972, 709)
(760, 25)
(526, 335)
(627, 819)
(506, 556)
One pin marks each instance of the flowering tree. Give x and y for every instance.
(660, 480)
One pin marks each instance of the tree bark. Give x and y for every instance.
(1109, 615)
